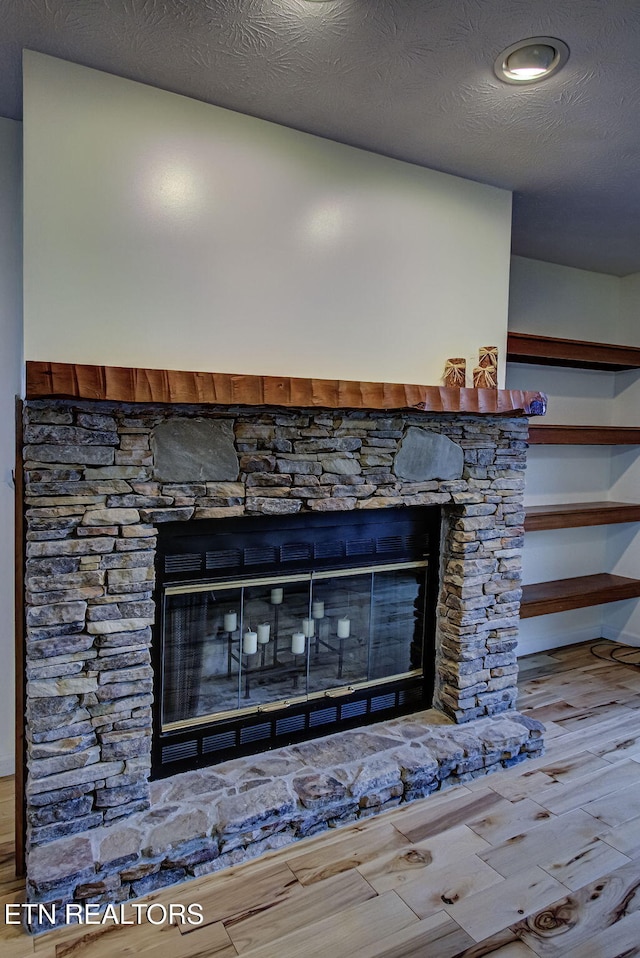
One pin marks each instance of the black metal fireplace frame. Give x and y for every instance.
(228, 549)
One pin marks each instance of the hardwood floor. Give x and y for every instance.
(540, 860)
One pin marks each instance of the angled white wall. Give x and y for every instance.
(10, 387)
(165, 232)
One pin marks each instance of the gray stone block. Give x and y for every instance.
(341, 466)
(427, 455)
(74, 826)
(255, 807)
(57, 614)
(333, 505)
(192, 823)
(69, 860)
(69, 435)
(80, 455)
(168, 876)
(319, 790)
(61, 811)
(192, 450)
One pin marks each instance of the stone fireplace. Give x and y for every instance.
(102, 478)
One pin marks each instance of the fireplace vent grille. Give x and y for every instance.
(191, 562)
(311, 720)
(323, 717)
(324, 543)
(259, 555)
(214, 743)
(351, 709)
(408, 696)
(361, 547)
(397, 544)
(382, 702)
(295, 552)
(329, 550)
(253, 733)
(224, 559)
(180, 751)
(292, 723)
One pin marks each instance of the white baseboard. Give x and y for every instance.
(621, 635)
(554, 640)
(7, 765)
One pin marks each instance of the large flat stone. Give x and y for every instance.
(345, 748)
(192, 450)
(187, 825)
(255, 807)
(319, 791)
(70, 859)
(117, 844)
(425, 455)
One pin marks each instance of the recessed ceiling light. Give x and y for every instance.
(532, 60)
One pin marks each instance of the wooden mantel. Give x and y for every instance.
(123, 384)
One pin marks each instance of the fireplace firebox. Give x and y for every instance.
(276, 629)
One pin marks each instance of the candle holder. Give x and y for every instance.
(229, 633)
(242, 657)
(337, 644)
(246, 672)
(276, 632)
(264, 637)
(297, 667)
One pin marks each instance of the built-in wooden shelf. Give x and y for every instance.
(584, 435)
(574, 514)
(561, 595)
(577, 353)
(124, 384)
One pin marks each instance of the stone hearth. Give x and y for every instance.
(99, 478)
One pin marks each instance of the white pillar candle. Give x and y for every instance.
(276, 596)
(317, 609)
(308, 627)
(344, 628)
(250, 642)
(298, 643)
(264, 631)
(231, 621)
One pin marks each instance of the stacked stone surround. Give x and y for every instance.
(99, 479)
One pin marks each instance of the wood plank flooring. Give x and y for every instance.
(540, 860)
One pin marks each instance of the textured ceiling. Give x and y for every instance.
(412, 79)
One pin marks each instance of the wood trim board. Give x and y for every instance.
(560, 595)
(574, 514)
(124, 384)
(20, 823)
(550, 434)
(576, 353)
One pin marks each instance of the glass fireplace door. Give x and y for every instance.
(263, 644)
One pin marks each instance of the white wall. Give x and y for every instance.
(576, 304)
(165, 232)
(554, 300)
(630, 309)
(10, 387)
